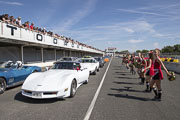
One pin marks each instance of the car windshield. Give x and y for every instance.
(87, 61)
(6, 64)
(63, 65)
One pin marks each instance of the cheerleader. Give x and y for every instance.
(150, 72)
(143, 69)
(158, 75)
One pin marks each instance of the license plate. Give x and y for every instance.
(37, 94)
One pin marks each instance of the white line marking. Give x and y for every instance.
(88, 113)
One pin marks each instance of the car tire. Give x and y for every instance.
(73, 89)
(98, 70)
(2, 85)
(95, 72)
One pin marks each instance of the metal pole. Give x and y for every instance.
(42, 54)
(22, 54)
(55, 54)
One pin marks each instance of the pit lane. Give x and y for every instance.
(121, 97)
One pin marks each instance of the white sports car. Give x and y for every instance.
(62, 80)
(91, 64)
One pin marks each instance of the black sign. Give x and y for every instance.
(12, 29)
(65, 43)
(39, 37)
(55, 41)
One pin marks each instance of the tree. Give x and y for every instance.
(138, 51)
(168, 49)
(177, 48)
(145, 51)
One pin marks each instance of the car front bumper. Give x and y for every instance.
(43, 94)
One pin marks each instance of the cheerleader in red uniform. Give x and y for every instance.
(158, 75)
(143, 69)
(150, 72)
(139, 60)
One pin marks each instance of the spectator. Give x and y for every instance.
(44, 30)
(18, 21)
(32, 26)
(12, 20)
(5, 18)
(27, 24)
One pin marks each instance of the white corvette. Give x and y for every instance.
(91, 64)
(62, 80)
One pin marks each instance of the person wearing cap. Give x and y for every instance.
(18, 21)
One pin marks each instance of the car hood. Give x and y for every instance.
(51, 80)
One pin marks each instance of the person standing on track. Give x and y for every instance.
(132, 66)
(127, 61)
(150, 72)
(138, 64)
(143, 69)
(158, 75)
(123, 59)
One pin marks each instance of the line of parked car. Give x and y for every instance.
(60, 81)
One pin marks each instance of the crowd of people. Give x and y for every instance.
(149, 70)
(30, 26)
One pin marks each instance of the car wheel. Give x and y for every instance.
(98, 70)
(73, 88)
(2, 85)
(95, 72)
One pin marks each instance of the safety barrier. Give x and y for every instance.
(170, 60)
(175, 67)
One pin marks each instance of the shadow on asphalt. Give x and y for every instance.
(128, 83)
(122, 73)
(126, 89)
(125, 78)
(126, 96)
(21, 98)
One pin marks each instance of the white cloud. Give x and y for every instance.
(11, 3)
(156, 45)
(135, 41)
(142, 12)
(129, 30)
(78, 15)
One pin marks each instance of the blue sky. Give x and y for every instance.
(124, 24)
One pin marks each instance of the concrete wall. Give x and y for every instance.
(175, 67)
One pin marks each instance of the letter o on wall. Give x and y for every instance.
(39, 37)
(55, 41)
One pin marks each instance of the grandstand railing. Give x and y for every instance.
(8, 31)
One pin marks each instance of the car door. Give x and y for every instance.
(20, 74)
